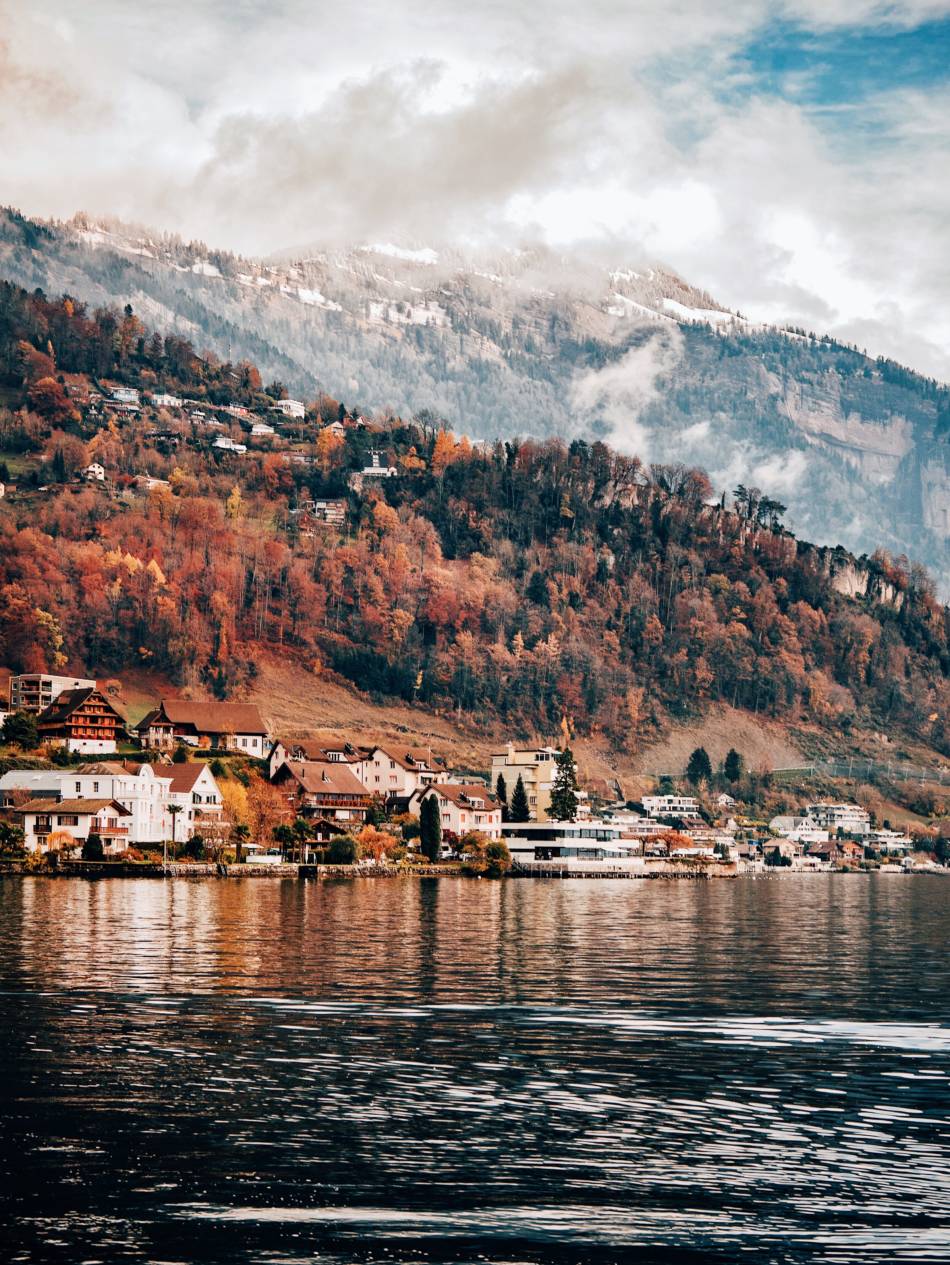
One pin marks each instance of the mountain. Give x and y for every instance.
(526, 343)
(163, 515)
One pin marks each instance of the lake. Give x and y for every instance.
(459, 1070)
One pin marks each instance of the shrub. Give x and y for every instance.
(194, 849)
(343, 851)
(92, 849)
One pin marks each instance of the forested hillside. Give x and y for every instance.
(531, 582)
(530, 344)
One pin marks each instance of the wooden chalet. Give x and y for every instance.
(81, 720)
(224, 726)
(324, 788)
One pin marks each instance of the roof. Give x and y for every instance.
(77, 806)
(111, 768)
(23, 779)
(459, 793)
(325, 777)
(63, 706)
(182, 776)
(206, 717)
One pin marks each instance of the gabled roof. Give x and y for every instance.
(182, 776)
(63, 706)
(461, 794)
(410, 757)
(325, 777)
(77, 806)
(207, 717)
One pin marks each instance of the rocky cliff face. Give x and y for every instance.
(528, 343)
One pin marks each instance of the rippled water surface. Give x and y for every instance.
(450, 1070)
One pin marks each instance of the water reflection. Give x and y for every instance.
(452, 1070)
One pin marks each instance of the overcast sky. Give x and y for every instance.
(791, 157)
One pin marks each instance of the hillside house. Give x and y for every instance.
(290, 408)
(535, 766)
(142, 790)
(850, 819)
(94, 473)
(193, 790)
(683, 807)
(262, 428)
(43, 820)
(324, 788)
(297, 749)
(375, 470)
(462, 807)
(81, 720)
(224, 443)
(393, 771)
(162, 399)
(34, 691)
(224, 726)
(125, 395)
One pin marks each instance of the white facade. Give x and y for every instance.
(884, 840)
(144, 794)
(194, 791)
(685, 806)
(43, 819)
(386, 773)
(34, 691)
(291, 408)
(261, 428)
(463, 809)
(227, 444)
(798, 829)
(848, 818)
(125, 395)
(94, 472)
(161, 399)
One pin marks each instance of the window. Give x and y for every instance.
(67, 819)
(78, 787)
(95, 788)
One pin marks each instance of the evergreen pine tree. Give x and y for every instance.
(699, 768)
(520, 809)
(733, 765)
(501, 790)
(564, 791)
(430, 828)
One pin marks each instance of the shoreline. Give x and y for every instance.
(661, 871)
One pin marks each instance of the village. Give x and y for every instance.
(208, 781)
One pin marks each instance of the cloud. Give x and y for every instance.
(614, 398)
(641, 131)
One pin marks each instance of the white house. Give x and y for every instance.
(227, 444)
(144, 791)
(883, 840)
(78, 818)
(125, 395)
(848, 818)
(94, 472)
(290, 408)
(194, 792)
(462, 808)
(798, 829)
(161, 399)
(684, 806)
(261, 428)
(397, 771)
